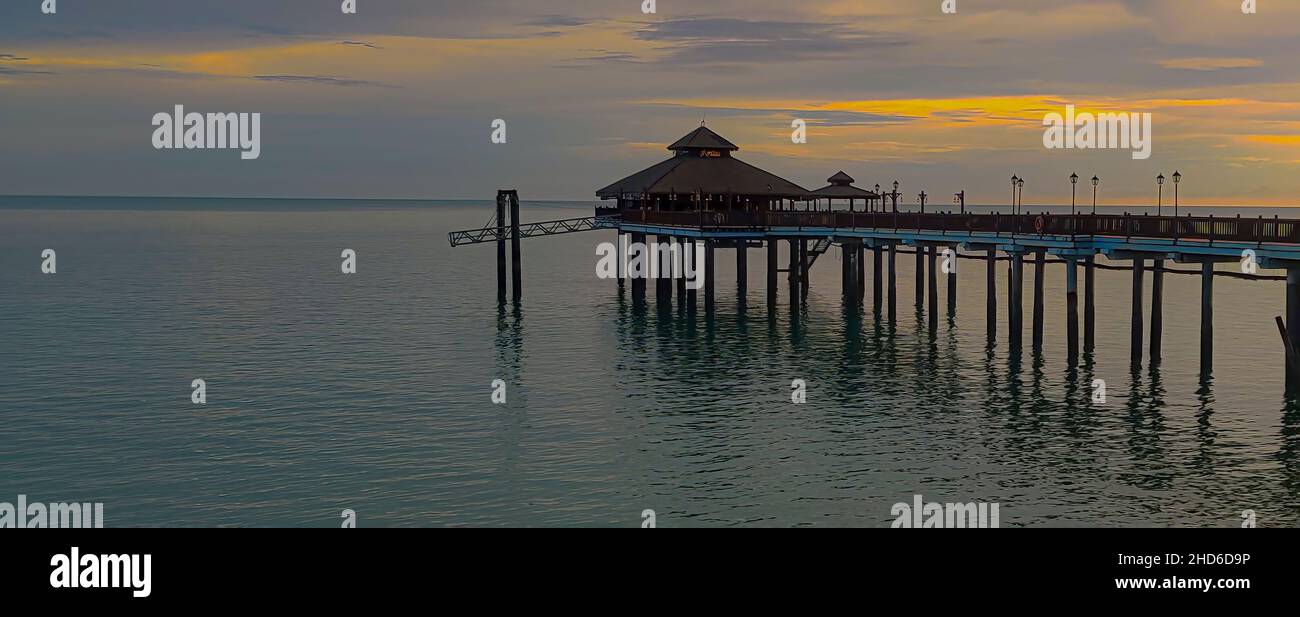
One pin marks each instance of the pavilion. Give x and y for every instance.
(702, 174)
(841, 187)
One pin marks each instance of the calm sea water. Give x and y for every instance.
(371, 391)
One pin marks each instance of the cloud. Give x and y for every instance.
(717, 40)
(360, 44)
(559, 21)
(1210, 64)
(316, 79)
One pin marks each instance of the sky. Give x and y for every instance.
(398, 100)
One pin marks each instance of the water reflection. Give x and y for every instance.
(888, 413)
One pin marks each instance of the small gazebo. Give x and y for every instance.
(841, 187)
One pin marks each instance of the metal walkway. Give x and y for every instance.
(543, 228)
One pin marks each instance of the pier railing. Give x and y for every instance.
(1209, 228)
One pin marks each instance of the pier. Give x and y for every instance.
(703, 194)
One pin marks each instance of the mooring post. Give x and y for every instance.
(1039, 263)
(1089, 305)
(933, 283)
(920, 277)
(1072, 310)
(991, 303)
(502, 197)
(518, 278)
(1293, 322)
(877, 285)
(1139, 265)
(893, 282)
(1157, 307)
(772, 248)
(709, 283)
(1207, 317)
(742, 271)
(638, 278)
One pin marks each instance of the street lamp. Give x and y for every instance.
(1014, 180)
(1095, 182)
(880, 197)
(922, 196)
(1177, 177)
(1160, 199)
(1021, 185)
(1074, 182)
(894, 196)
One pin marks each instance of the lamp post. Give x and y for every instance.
(922, 195)
(1160, 199)
(1021, 185)
(1095, 182)
(1074, 182)
(879, 196)
(1177, 178)
(1014, 180)
(894, 196)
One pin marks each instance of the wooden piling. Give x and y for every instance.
(1157, 307)
(502, 197)
(620, 266)
(952, 284)
(742, 271)
(1139, 266)
(663, 268)
(680, 274)
(803, 266)
(877, 285)
(1089, 303)
(991, 290)
(772, 248)
(1015, 304)
(793, 272)
(638, 281)
(859, 259)
(518, 278)
(709, 282)
(920, 277)
(933, 283)
(846, 266)
(1207, 317)
(1072, 310)
(1293, 324)
(1040, 262)
(893, 282)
